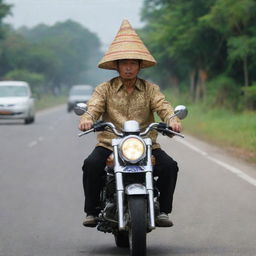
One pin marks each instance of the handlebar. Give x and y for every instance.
(160, 127)
(101, 126)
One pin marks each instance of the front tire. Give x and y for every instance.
(138, 225)
(29, 120)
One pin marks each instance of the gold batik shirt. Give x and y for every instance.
(111, 102)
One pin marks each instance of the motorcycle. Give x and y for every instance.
(129, 197)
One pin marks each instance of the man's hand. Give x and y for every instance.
(176, 126)
(85, 125)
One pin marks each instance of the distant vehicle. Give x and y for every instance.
(79, 94)
(16, 101)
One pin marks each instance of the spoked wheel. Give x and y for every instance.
(138, 225)
(122, 239)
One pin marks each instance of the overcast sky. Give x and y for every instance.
(103, 17)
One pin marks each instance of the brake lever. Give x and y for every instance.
(85, 132)
(163, 128)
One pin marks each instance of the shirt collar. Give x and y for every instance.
(118, 84)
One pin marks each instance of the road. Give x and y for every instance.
(41, 197)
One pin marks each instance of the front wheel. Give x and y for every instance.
(29, 120)
(138, 225)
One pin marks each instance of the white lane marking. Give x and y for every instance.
(35, 142)
(228, 167)
(32, 144)
(40, 139)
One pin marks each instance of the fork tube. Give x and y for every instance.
(120, 191)
(150, 189)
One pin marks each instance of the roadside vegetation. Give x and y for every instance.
(48, 101)
(234, 131)
(206, 53)
(50, 58)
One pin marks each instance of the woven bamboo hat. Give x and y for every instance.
(126, 45)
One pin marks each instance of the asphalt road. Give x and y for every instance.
(41, 196)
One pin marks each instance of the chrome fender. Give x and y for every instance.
(136, 189)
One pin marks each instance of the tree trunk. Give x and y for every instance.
(246, 76)
(174, 82)
(192, 81)
(200, 88)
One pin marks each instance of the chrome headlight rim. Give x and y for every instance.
(123, 157)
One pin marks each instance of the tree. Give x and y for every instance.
(61, 54)
(4, 11)
(182, 44)
(235, 20)
(70, 47)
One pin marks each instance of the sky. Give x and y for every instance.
(103, 17)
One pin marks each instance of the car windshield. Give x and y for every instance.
(81, 91)
(13, 91)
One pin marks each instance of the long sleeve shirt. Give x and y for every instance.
(111, 102)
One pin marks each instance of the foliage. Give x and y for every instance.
(250, 96)
(223, 92)
(235, 20)
(5, 9)
(196, 40)
(60, 54)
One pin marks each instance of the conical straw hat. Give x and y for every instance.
(126, 45)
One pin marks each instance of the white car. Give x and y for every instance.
(16, 101)
(79, 94)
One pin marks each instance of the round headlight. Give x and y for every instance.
(133, 149)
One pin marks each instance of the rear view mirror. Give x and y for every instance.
(80, 108)
(181, 111)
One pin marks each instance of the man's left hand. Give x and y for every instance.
(176, 126)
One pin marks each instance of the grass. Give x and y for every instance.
(235, 132)
(48, 101)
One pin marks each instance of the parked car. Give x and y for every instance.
(16, 101)
(79, 94)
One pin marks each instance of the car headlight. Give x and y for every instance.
(132, 149)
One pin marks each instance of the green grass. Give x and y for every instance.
(48, 101)
(234, 131)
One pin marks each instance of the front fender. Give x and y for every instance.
(136, 189)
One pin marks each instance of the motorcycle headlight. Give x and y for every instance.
(132, 149)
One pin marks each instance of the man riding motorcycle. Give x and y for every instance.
(127, 97)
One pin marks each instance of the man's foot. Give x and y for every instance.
(90, 221)
(162, 220)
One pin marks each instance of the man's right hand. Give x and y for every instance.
(85, 125)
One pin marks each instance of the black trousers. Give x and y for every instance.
(93, 168)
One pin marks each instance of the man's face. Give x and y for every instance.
(128, 68)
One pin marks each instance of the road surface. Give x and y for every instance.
(41, 196)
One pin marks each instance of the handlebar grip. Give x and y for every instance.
(99, 126)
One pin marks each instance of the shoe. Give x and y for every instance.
(90, 221)
(162, 220)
